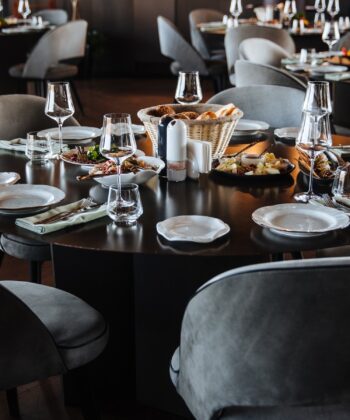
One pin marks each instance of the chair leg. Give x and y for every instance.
(12, 402)
(35, 271)
(77, 97)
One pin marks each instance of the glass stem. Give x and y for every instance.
(60, 140)
(119, 182)
(312, 159)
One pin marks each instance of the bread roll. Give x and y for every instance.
(209, 115)
(226, 111)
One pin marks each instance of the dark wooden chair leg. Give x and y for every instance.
(12, 402)
(77, 97)
(35, 271)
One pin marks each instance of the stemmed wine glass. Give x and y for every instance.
(316, 106)
(320, 7)
(333, 8)
(331, 34)
(188, 90)
(290, 9)
(117, 142)
(236, 10)
(24, 8)
(59, 105)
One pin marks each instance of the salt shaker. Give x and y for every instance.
(176, 153)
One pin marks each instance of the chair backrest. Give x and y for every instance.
(235, 36)
(344, 42)
(54, 16)
(202, 16)
(62, 43)
(20, 114)
(249, 73)
(262, 51)
(173, 45)
(279, 106)
(272, 334)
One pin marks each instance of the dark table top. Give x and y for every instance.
(231, 201)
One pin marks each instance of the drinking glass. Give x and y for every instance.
(333, 8)
(117, 142)
(331, 34)
(290, 9)
(37, 148)
(188, 90)
(126, 211)
(320, 7)
(1, 8)
(236, 10)
(341, 183)
(317, 104)
(24, 8)
(59, 105)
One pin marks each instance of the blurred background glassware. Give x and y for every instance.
(236, 10)
(320, 7)
(1, 9)
(331, 34)
(333, 8)
(290, 10)
(317, 104)
(188, 90)
(341, 183)
(37, 148)
(59, 105)
(24, 8)
(127, 211)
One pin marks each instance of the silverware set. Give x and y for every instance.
(332, 203)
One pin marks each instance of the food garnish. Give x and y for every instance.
(88, 156)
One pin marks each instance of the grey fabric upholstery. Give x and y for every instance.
(212, 47)
(54, 16)
(249, 73)
(344, 42)
(45, 331)
(279, 106)
(58, 72)
(262, 51)
(235, 36)
(25, 249)
(259, 342)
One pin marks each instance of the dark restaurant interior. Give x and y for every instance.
(174, 209)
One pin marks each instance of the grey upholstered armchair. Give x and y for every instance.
(53, 16)
(270, 341)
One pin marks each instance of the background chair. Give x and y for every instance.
(269, 341)
(344, 42)
(341, 95)
(262, 51)
(249, 73)
(211, 48)
(173, 45)
(235, 36)
(66, 42)
(279, 106)
(20, 114)
(53, 16)
(46, 332)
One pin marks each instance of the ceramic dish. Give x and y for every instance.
(8, 178)
(23, 212)
(290, 133)
(66, 157)
(250, 127)
(27, 196)
(73, 134)
(300, 219)
(199, 229)
(327, 69)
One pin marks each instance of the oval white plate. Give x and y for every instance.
(200, 229)
(140, 177)
(249, 127)
(26, 196)
(300, 219)
(327, 69)
(9, 178)
(287, 132)
(74, 133)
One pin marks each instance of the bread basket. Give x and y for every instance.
(217, 131)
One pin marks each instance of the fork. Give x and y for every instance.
(330, 203)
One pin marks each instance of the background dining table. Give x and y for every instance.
(142, 283)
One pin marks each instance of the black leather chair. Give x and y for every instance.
(270, 341)
(44, 332)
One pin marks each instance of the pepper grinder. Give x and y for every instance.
(176, 151)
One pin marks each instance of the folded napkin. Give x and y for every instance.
(337, 76)
(342, 200)
(199, 152)
(31, 223)
(18, 145)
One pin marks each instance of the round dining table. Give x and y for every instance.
(141, 282)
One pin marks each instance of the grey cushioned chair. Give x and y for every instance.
(174, 46)
(44, 332)
(235, 36)
(262, 51)
(279, 106)
(211, 48)
(249, 73)
(53, 16)
(344, 42)
(268, 342)
(20, 114)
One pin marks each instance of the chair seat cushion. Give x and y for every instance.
(59, 71)
(25, 249)
(78, 330)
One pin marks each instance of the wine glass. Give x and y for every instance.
(316, 106)
(188, 90)
(333, 8)
(117, 142)
(320, 7)
(236, 10)
(24, 8)
(331, 34)
(59, 105)
(290, 9)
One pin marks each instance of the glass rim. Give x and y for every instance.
(116, 115)
(127, 186)
(57, 82)
(33, 135)
(195, 72)
(318, 82)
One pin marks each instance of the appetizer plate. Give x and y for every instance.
(327, 69)
(27, 196)
(74, 134)
(67, 157)
(287, 133)
(299, 220)
(140, 177)
(8, 178)
(250, 127)
(200, 229)
(290, 169)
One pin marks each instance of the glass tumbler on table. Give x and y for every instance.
(341, 183)
(59, 105)
(37, 148)
(124, 212)
(331, 34)
(188, 90)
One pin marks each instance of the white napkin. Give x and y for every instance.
(342, 200)
(41, 229)
(337, 76)
(200, 152)
(18, 145)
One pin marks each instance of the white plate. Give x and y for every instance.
(249, 127)
(140, 177)
(327, 69)
(23, 212)
(9, 178)
(287, 132)
(200, 229)
(26, 196)
(73, 134)
(300, 219)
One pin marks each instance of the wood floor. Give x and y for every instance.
(44, 400)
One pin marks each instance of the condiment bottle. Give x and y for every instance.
(162, 136)
(176, 151)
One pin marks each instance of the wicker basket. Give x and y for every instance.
(218, 132)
